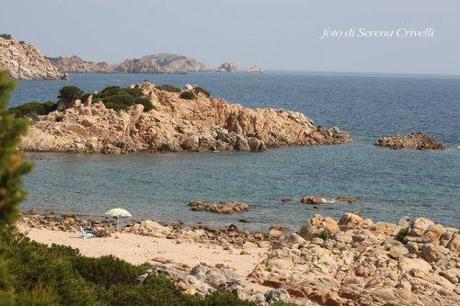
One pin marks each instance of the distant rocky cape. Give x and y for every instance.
(25, 62)
(155, 63)
(76, 64)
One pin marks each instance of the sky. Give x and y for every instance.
(275, 34)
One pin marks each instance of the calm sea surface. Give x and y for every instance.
(390, 184)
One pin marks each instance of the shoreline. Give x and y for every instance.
(414, 262)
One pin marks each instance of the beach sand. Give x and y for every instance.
(137, 249)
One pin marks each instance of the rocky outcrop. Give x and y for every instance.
(160, 63)
(315, 200)
(204, 279)
(227, 67)
(25, 62)
(219, 207)
(417, 141)
(175, 124)
(75, 64)
(358, 262)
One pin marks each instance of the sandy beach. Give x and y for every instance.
(137, 249)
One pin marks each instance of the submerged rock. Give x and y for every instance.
(315, 200)
(417, 141)
(219, 207)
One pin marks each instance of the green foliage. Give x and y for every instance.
(32, 109)
(59, 275)
(169, 88)
(118, 98)
(6, 36)
(12, 166)
(401, 236)
(198, 90)
(107, 271)
(188, 95)
(325, 235)
(70, 93)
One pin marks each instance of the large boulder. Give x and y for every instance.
(318, 226)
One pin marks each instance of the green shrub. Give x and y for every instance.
(118, 98)
(325, 235)
(107, 271)
(169, 88)
(59, 275)
(198, 90)
(401, 236)
(32, 109)
(6, 36)
(12, 166)
(70, 93)
(188, 95)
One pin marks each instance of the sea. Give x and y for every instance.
(389, 184)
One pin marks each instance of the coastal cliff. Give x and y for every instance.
(77, 65)
(25, 62)
(175, 123)
(160, 63)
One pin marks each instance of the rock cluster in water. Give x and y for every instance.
(417, 141)
(219, 207)
(78, 65)
(227, 67)
(358, 262)
(315, 200)
(175, 124)
(25, 62)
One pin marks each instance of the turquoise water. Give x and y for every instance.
(390, 184)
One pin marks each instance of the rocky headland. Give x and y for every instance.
(25, 62)
(160, 63)
(415, 141)
(354, 261)
(74, 64)
(186, 121)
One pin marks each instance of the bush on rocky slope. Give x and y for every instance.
(188, 95)
(198, 90)
(118, 98)
(33, 108)
(169, 88)
(70, 93)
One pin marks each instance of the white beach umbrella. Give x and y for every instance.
(118, 212)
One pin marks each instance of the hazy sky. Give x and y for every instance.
(276, 34)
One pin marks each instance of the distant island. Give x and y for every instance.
(26, 62)
(154, 63)
(75, 64)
